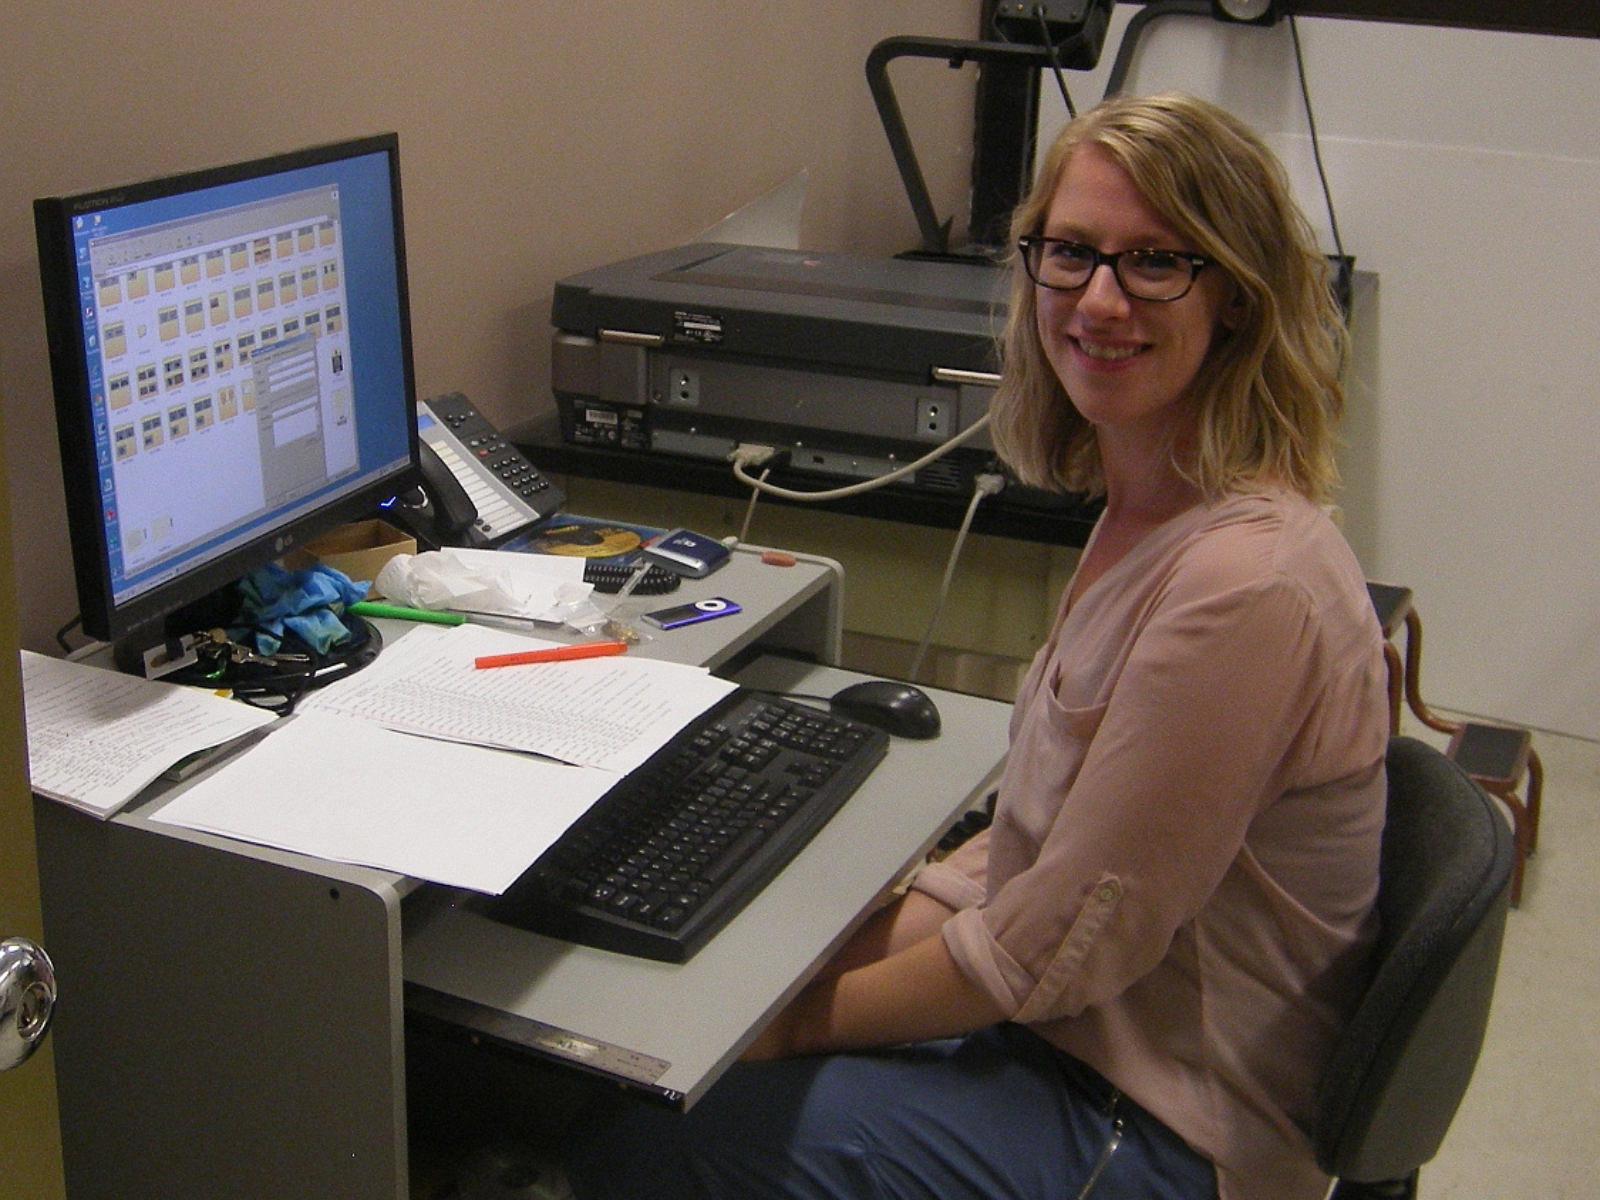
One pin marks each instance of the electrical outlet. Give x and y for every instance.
(684, 387)
(933, 419)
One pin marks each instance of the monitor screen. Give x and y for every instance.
(231, 356)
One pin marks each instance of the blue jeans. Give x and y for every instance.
(996, 1115)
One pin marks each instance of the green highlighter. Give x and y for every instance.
(399, 612)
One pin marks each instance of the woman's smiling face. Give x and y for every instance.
(1127, 364)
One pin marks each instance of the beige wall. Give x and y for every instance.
(538, 138)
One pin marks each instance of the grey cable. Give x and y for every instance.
(987, 485)
(866, 485)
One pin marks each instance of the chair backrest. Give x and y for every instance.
(1399, 1070)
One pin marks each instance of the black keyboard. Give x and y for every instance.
(668, 856)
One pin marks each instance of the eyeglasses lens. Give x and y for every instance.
(1153, 275)
(1143, 274)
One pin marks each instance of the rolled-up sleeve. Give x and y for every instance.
(957, 881)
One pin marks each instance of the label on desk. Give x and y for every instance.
(509, 1029)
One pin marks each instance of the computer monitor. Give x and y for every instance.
(231, 356)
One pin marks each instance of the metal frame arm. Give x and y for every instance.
(1135, 30)
(957, 53)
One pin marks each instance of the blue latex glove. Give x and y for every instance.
(306, 603)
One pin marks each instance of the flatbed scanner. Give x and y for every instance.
(852, 366)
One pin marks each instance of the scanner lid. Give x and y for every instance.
(890, 315)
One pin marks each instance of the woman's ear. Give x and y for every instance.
(1232, 314)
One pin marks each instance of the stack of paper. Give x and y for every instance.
(347, 779)
(506, 759)
(97, 738)
(354, 792)
(611, 713)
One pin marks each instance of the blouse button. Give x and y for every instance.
(1108, 892)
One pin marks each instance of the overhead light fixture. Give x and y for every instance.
(1247, 12)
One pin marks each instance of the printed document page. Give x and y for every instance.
(351, 791)
(96, 738)
(611, 713)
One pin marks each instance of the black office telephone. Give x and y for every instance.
(480, 489)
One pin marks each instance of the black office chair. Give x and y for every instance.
(1399, 1071)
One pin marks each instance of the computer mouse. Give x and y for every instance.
(897, 708)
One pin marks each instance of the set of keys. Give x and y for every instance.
(217, 646)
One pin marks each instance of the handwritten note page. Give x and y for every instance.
(96, 738)
(611, 713)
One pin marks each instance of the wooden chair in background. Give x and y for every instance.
(1499, 758)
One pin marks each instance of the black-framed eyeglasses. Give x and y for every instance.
(1159, 275)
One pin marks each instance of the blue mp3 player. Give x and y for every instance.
(690, 614)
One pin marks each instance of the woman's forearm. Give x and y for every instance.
(904, 922)
(913, 995)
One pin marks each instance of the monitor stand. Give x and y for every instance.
(150, 651)
(180, 648)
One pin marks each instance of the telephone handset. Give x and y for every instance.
(481, 488)
(452, 509)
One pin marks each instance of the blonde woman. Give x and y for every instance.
(1127, 986)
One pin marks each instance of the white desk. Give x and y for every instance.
(232, 1017)
(798, 608)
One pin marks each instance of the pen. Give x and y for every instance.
(553, 654)
(370, 608)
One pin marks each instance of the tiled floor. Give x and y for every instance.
(1529, 1128)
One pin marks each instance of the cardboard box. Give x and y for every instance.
(359, 549)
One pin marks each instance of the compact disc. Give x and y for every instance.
(585, 541)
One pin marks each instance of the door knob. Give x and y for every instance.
(27, 998)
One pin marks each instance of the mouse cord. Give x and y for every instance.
(984, 485)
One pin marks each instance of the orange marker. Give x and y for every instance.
(553, 654)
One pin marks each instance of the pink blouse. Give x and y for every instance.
(1178, 886)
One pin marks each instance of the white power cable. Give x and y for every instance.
(746, 455)
(984, 485)
(750, 509)
(751, 455)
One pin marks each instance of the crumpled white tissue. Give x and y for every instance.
(531, 587)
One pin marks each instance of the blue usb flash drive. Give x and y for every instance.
(687, 553)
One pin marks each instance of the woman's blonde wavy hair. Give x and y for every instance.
(1268, 394)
